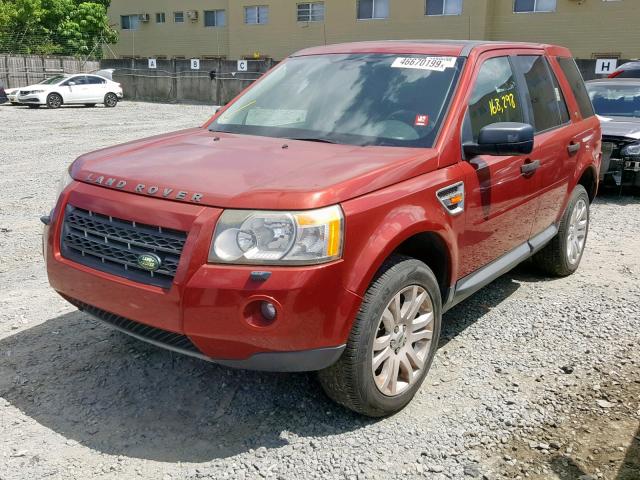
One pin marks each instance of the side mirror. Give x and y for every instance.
(71, 84)
(502, 139)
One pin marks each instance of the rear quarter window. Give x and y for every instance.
(574, 77)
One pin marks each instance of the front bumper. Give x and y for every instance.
(209, 305)
(33, 99)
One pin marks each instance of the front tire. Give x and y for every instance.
(54, 100)
(561, 257)
(110, 100)
(392, 343)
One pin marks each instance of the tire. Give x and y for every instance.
(353, 381)
(558, 258)
(90, 105)
(110, 100)
(54, 101)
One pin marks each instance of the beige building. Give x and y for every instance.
(236, 29)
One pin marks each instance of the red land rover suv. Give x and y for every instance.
(328, 216)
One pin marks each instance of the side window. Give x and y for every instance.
(80, 80)
(544, 97)
(95, 81)
(562, 103)
(495, 96)
(574, 77)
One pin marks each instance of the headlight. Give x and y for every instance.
(632, 150)
(63, 183)
(252, 237)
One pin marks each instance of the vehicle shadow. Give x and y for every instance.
(466, 313)
(119, 396)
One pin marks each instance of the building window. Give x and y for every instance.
(370, 9)
(215, 18)
(311, 12)
(160, 17)
(258, 15)
(178, 17)
(129, 22)
(444, 7)
(520, 6)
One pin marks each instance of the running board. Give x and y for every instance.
(473, 282)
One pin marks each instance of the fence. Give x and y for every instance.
(176, 81)
(23, 70)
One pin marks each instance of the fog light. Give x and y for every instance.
(268, 310)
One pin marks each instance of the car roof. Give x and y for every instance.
(455, 48)
(615, 81)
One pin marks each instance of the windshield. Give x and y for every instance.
(364, 99)
(615, 100)
(53, 80)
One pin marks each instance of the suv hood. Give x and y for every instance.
(621, 127)
(241, 171)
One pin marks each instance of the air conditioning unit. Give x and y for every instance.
(143, 17)
(192, 15)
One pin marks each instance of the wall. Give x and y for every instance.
(23, 70)
(590, 28)
(284, 35)
(174, 81)
(170, 39)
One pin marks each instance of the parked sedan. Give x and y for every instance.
(617, 102)
(71, 89)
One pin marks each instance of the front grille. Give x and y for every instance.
(164, 338)
(114, 245)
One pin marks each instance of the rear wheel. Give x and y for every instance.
(110, 100)
(54, 100)
(561, 257)
(392, 343)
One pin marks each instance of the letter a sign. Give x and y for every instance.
(605, 66)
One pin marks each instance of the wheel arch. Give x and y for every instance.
(436, 248)
(588, 178)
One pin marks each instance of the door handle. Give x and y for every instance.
(573, 147)
(530, 167)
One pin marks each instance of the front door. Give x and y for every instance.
(500, 197)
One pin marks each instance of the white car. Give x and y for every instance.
(12, 95)
(71, 89)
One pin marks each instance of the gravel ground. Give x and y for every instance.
(535, 378)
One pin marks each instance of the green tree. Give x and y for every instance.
(67, 27)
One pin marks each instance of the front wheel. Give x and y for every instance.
(561, 257)
(392, 343)
(110, 100)
(54, 100)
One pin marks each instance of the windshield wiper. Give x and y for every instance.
(313, 139)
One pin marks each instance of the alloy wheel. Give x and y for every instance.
(577, 232)
(403, 340)
(111, 100)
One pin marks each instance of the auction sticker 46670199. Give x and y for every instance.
(438, 64)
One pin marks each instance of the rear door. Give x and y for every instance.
(500, 199)
(97, 89)
(555, 144)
